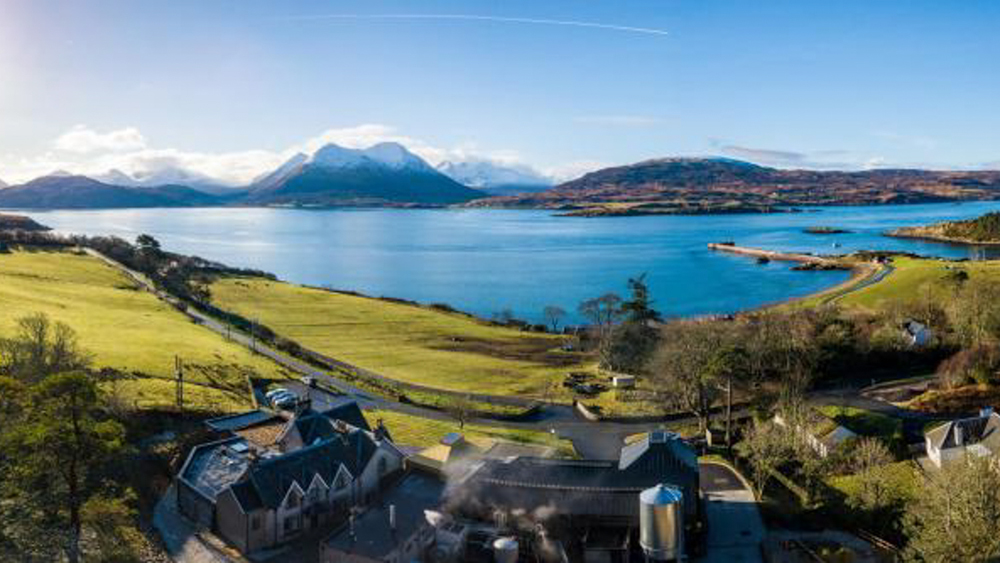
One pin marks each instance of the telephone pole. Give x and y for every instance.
(179, 377)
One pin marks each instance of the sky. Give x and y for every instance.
(231, 88)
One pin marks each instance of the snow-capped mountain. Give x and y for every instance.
(496, 179)
(166, 176)
(383, 174)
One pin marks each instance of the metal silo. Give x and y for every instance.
(661, 523)
(505, 550)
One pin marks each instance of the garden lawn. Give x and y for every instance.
(127, 329)
(402, 341)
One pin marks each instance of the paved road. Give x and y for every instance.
(735, 528)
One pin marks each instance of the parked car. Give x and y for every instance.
(275, 392)
(308, 381)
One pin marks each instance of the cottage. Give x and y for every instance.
(821, 432)
(258, 493)
(978, 436)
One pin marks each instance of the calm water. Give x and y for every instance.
(485, 260)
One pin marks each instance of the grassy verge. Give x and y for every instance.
(863, 422)
(410, 430)
(403, 341)
(128, 330)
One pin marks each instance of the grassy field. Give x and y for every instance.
(405, 342)
(410, 430)
(127, 329)
(913, 278)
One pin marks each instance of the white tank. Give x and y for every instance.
(505, 550)
(661, 523)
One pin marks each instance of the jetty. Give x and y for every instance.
(773, 255)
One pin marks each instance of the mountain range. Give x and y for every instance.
(389, 175)
(721, 185)
(384, 174)
(496, 179)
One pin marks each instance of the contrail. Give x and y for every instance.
(473, 17)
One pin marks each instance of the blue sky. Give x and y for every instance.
(229, 88)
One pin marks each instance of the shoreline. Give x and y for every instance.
(904, 233)
(863, 274)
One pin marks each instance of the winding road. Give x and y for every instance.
(557, 418)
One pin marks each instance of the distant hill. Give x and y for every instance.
(385, 174)
(63, 191)
(20, 223)
(719, 185)
(981, 230)
(496, 179)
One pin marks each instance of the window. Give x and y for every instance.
(290, 524)
(293, 500)
(341, 482)
(255, 523)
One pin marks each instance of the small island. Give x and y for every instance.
(20, 223)
(825, 231)
(984, 230)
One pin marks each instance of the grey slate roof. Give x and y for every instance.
(268, 480)
(313, 425)
(980, 429)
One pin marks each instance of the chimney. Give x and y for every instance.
(959, 435)
(392, 518)
(986, 412)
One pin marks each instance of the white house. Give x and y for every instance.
(917, 334)
(821, 432)
(978, 436)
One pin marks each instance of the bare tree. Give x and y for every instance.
(602, 312)
(40, 348)
(956, 516)
(553, 316)
(683, 369)
(868, 460)
(766, 448)
(461, 408)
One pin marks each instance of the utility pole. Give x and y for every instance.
(729, 412)
(179, 377)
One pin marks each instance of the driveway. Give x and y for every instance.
(180, 536)
(735, 528)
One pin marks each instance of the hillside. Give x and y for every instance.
(718, 185)
(981, 230)
(81, 192)
(407, 342)
(385, 174)
(128, 330)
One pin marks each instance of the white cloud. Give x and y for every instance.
(83, 150)
(573, 170)
(82, 139)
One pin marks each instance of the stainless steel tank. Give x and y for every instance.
(661, 523)
(505, 550)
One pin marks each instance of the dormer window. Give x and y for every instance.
(293, 500)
